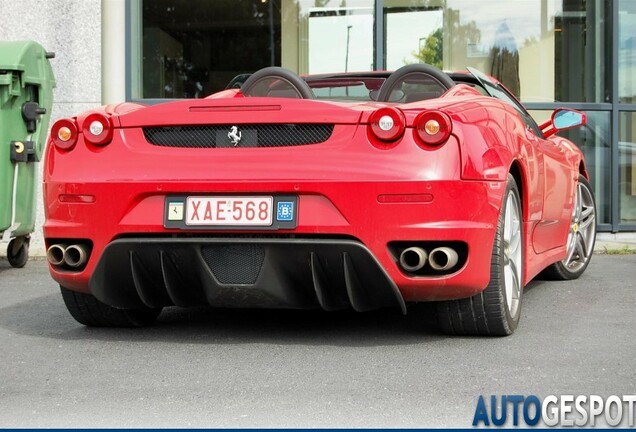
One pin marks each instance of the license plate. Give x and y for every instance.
(229, 210)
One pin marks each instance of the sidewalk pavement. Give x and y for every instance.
(615, 242)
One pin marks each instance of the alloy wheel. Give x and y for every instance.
(582, 230)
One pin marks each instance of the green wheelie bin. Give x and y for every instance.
(26, 97)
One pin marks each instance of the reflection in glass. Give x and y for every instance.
(504, 58)
(191, 48)
(582, 51)
(594, 140)
(340, 39)
(627, 51)
(627, 168)
(541, 50)
(323, 36)
(414, 34)
(566, 119)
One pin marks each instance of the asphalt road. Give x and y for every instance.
(220, 368)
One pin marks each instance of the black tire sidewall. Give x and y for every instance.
(499, 278)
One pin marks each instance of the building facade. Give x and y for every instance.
(550, 53)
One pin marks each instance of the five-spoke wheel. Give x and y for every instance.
(581, 238)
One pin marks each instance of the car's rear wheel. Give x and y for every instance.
(581, 238)
(496, 310)
(87, 310)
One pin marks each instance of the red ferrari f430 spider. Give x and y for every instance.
(353, 190)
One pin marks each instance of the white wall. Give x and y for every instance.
(113, 51)
(72, 29)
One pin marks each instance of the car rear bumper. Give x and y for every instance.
(123, 226)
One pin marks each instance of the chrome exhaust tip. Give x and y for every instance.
(412, 259)
(55, 254)
(443, 258)
(75, 256)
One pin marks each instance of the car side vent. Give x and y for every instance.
(253, 135)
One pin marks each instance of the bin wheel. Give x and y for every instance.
(18, 251)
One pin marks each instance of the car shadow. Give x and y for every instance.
(47, 317)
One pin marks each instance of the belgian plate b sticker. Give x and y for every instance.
(285, 211)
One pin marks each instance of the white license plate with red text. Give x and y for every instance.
(229, 210)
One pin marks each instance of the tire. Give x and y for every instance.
(581, 237)
(18, 251)
(89, 311)
(496, 310)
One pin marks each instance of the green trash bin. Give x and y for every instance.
(26, 97)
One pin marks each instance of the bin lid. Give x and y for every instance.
(29, 58)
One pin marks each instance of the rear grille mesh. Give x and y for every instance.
(234, 264)
(224, 136)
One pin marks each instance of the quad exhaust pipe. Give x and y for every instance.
(443, 258)
(412, 259)
(55, 254)
(440, 259)
(73, 256)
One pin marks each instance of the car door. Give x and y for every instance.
(552, 230)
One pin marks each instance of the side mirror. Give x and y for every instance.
(567, 119)
(563, 119)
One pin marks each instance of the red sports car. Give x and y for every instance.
(355, 190)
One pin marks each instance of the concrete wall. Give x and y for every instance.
(73, 30)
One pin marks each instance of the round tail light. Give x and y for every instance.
(97, 129)
(387, 124)
(64, 134)
(433, 128)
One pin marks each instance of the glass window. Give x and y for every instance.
(322, 36)
(340, 39)
(627, 168)
(627, 51)
(414, 33)
(541, 50)
(594, 140)
(191, 48)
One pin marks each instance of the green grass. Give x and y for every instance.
(625, 250)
